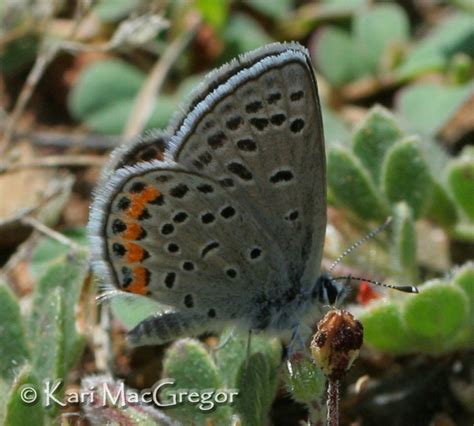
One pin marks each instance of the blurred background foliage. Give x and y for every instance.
(396, 81)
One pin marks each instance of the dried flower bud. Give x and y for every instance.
(336, 343)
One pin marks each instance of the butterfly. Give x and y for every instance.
(222, 217)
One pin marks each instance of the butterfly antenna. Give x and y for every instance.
(403, 288)
(369, 236)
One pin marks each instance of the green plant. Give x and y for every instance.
(436, 321)
(189, 365)
(389, 173)
(376, 34)
(46, 343)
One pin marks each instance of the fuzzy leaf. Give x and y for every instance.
(404, 243)
(406, 177)
(48, 354)
(351, 185)
(104, 96)
(384, 328)
(69, 275)
(460, 175)
(453, 35)
(337, 56)
(373, 137)
(17, 412)
(378, 28)
(335, 129)
(131, 309)
(306, 382)
(234, 353)
(437, 313)
(442, 209)
(13, 346)
(49, 251)
(190, 365)
(464, 279)
(430, 117)
(257, 384)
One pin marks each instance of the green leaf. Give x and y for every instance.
(373, 137)
(335, 129)
(463, 232)
(275, 9)
(131, 309)
(103, 83)
(189, 364)
(70, 275)
(214, 12)
(404, 243)
(430, 117)
(163, 110)
(49, 251)
(406, 177)
(18, 413)
(337, 56)
(243, 34)
(342, 6)
(306, 382)
(464, 279)
(114, 10)
(384, 328)
(351, 185)
(17, 54)
(48, 355)
(13, 347)
(234, 353)
(437, 313)
(379, 28)
(257, 386)
(442, 209)
(452, 35)
(104, 97)
(460, 176)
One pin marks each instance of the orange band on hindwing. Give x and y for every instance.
(139, 201)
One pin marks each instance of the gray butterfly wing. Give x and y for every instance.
(178, 237)
(259, 132)
(231, 227)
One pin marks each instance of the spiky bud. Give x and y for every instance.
(336, 343)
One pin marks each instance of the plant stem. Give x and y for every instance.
(333, 403)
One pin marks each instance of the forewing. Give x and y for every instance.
(259, 133)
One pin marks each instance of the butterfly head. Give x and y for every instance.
(328, 291)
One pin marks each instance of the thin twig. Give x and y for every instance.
(51, 233)
(150, 90)
(56, 161)
(66, 140)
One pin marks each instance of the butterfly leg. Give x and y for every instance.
(162, 328)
